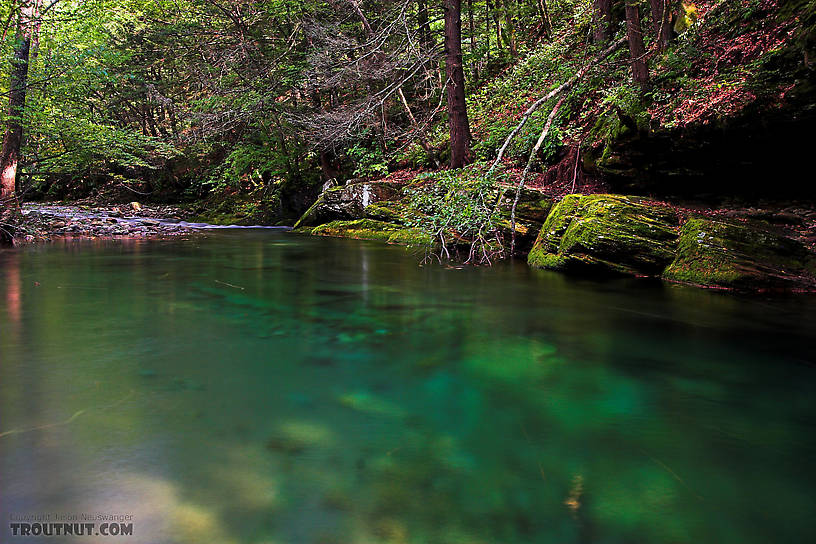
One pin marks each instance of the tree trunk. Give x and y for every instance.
(424, 25)
(487, 34)
(356, 6)
(12, 140)
(661, 16)
(496, 22)
(634, 33)
(454, 71)
(472, 28)
(326, 163)
(544, 13)
(603, 21)
(508, 11)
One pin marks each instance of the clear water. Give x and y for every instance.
(262, 387)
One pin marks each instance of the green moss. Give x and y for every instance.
(556, 224)
(303, 230)
(392, 212)
(363, 229)
(238, 209)
(532, 206)
(411, 237)
(608, 233)
(370, 229)
(716, 253)
(537, 258)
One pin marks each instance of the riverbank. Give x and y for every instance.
(765, 247)
(42, 221)
(762, 247)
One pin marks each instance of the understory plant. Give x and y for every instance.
(458, 208)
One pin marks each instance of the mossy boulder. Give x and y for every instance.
(606, 234)
(371, 229)
(391, 212)
(740, 256)
(362, 229)
(347, 202)
(526, 232)
(411, 237)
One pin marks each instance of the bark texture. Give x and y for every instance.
(661, 16)
(603, 21)
(454, 72)
(13, 137)
(634, 34)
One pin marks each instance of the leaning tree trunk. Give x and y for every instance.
(12, 140)
(454, 71)
(544, 13)
(603, 21)
(634, 33)
(661, 16)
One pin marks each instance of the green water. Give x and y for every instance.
(262, 387)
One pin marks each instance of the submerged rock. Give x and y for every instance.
(606, 234)
(740, 256)
(347, 202)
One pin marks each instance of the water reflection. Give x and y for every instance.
(250, 387)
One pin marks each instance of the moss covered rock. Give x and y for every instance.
(362, 229)
(391, 211)
(411, 237)
(371, 229)
(533, 206)
(347, 202)
(740, 256)
(606, 234)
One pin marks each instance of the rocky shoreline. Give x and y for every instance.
(40, 222)
(763, 249)
(744, 249)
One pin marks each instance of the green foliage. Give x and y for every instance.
(248, 166)
(368, 161)
(460, 206)
(625, 109)
(496, 108)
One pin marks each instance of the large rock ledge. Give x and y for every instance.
(604, 234)
(714, 253)
(371, 229)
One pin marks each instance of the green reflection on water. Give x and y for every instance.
(265, 387)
